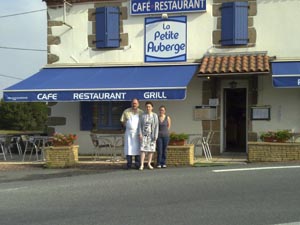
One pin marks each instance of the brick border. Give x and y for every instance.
(273, 152)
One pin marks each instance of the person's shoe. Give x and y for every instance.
(164, 166)
(159, 166)
(150, 167)
(141, 168)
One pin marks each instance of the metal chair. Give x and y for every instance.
(118, 147)
(2, 148)
(16, 140)
(5, 143)
(100, 144)
(205, 145)
(31, 146)
(196, 141)
(296, 138)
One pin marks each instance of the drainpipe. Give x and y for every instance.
(65, 13)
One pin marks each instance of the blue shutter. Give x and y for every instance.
(113, 27)
(107, 27)
(100, 27)
(86, 116)
(234, 23)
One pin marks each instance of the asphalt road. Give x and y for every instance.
(168, 196)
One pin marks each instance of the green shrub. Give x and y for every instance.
(23, 116)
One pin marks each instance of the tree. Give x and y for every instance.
(23, 116)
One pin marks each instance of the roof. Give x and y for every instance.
(234, 64)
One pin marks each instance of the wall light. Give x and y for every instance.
(233, 84)
(164, 16)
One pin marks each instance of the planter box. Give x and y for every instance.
(175, 142)
(179, 155)
(273, 152)
(269, 139)
(62, 156)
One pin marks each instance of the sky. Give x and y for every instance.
(26, 31)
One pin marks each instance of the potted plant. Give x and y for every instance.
(62, 153)
(60, 139)
(276, 136)
(178, 138)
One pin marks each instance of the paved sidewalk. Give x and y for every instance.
(105, 162)
(226, 158)
(18, 170)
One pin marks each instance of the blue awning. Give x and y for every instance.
(286, 74)
(103, 84)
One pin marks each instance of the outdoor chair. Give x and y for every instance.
(30, 146)
(101, 145)
(2, 153)
(16, 140)
(196, 141)
(5, 147)
(205, 145)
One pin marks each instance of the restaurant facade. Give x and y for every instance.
(216, 65)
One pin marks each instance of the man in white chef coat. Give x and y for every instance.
(130, 120)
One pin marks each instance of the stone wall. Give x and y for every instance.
(273, 152)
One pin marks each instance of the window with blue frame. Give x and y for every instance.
(102, 115)
(234, 23)
(108, 27)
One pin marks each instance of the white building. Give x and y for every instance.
(104, 53)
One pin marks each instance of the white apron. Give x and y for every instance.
(131, 139)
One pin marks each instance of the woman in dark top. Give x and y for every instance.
(163, 137)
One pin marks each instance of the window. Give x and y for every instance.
(102, 115)
(234, 23)
(110, 113)
(108, 27)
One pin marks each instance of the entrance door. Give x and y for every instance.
(235, 119)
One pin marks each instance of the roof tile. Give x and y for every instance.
(226, 64)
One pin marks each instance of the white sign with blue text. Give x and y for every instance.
(165, 39)
(139, 7)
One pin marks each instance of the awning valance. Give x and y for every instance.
(286, 74)
(104, 84)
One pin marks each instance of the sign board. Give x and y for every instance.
(205, 112)
(165, 39)
(140, 7)
(286, 74)
(213, 102)
(286, 81)
(260, 113)
(71, 96)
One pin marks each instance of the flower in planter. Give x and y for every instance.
(60, 139)
(276, 136)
